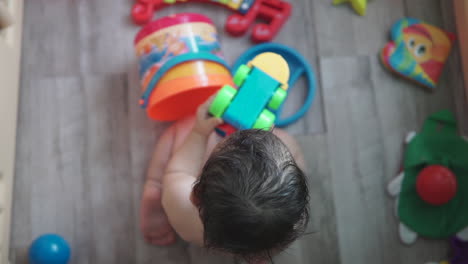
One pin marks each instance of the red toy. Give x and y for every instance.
(436, 185)
(275, 12)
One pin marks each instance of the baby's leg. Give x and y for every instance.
(153, 220)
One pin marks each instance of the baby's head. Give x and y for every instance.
(252, 196)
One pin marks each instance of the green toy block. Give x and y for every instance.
(222, 100)
(241, 75)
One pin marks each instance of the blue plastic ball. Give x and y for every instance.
(49, 249)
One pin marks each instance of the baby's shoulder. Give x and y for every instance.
(287, 139)
(292, 145)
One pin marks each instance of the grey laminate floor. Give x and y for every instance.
(84, 144)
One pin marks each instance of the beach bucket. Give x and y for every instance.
(181, 65)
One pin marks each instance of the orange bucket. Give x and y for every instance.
(181, 65)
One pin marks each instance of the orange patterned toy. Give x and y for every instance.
(418, 51)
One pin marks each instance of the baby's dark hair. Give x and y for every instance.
(252, 197)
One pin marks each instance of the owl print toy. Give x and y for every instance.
(418, 51)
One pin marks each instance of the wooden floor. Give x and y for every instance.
(84, 144)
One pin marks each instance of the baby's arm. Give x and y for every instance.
(181, 174)
(153, 220)
(161, 156)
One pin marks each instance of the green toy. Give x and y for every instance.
(438, 150)
(360, 6)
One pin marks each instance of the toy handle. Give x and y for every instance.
(142, 12)
(237, 25)
(263, 33)
(277, 12)
(307, 103)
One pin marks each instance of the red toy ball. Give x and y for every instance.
(436, 185)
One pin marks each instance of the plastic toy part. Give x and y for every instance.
(436, 185)
(259, 87)
(278, 99)
(181, 65)
(241, 75)
(49, 249)
(275, 12)
(252, 98)
(298, 66)
(225, 130)
(222, 101)
(458, 252)
(142, 10)
(273, 65)
(185, 65)
(265, 121)
(360, 6)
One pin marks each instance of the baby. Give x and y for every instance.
(245, 195)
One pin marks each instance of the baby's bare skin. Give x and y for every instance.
(178, 158)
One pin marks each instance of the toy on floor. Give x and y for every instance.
(432, 190)
(298, 67)
(181, 65)
(418, 51)
(360, 6)
(49, 249)
(274, 12)
(262, 87)
(459, 252)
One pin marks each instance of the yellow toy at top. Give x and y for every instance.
(273, 65)
(359, 5)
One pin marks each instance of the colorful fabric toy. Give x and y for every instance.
(432, 190)
(418, 51)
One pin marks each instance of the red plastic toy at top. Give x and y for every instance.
(274, 12)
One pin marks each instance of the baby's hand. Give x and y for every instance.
(205, 124)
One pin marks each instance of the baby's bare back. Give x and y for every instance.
(179, 155)
(182, 214)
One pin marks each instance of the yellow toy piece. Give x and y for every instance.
(359, 5)
(235, 4)
(273, 65)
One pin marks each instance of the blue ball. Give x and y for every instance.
(49, 249)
